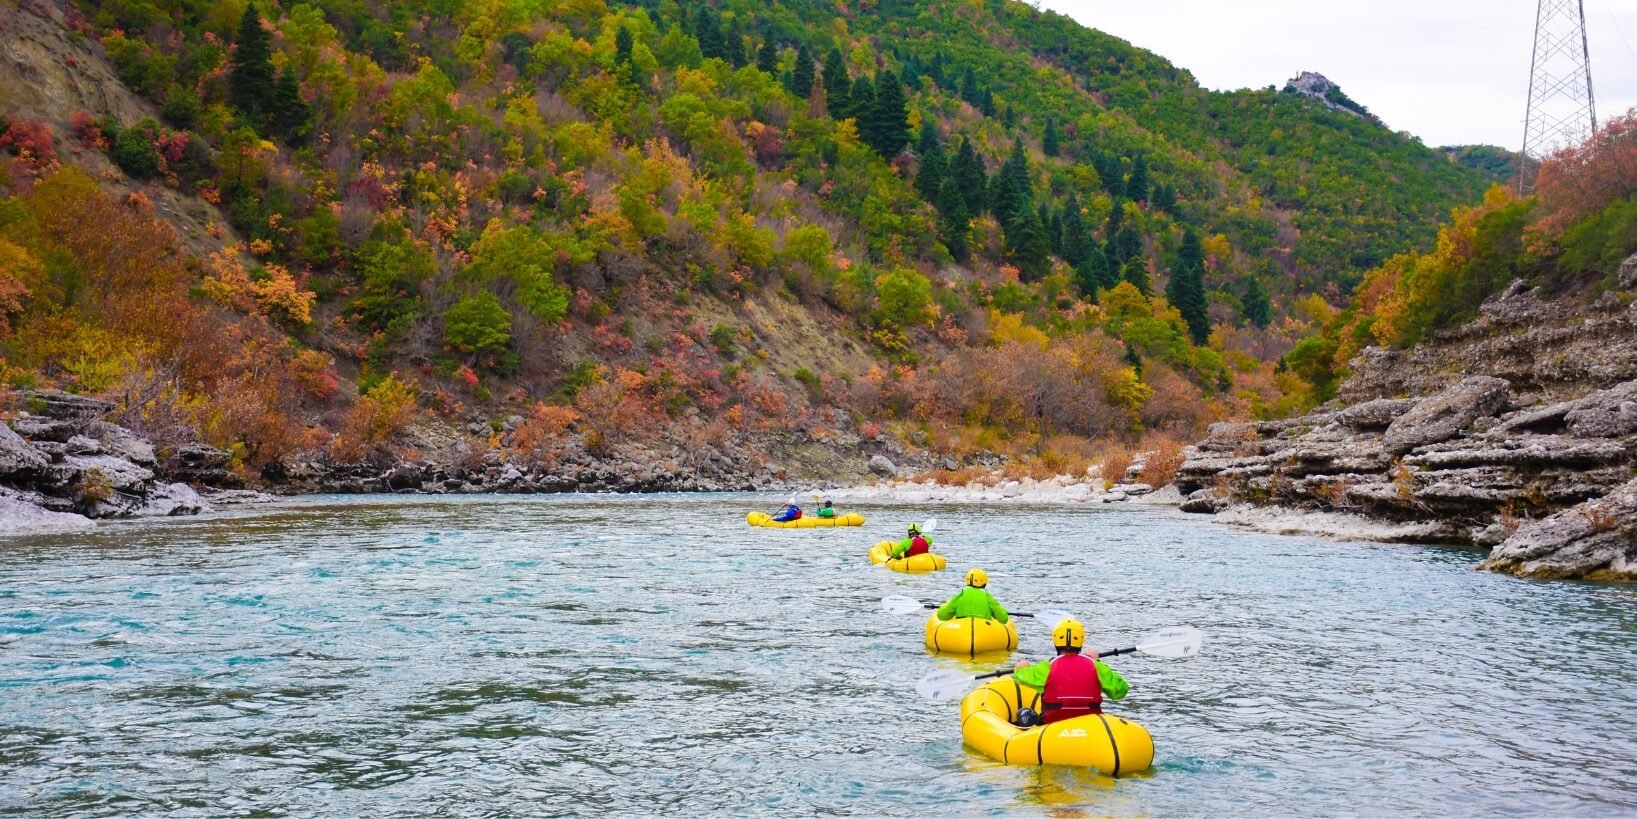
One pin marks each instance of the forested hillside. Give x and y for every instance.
(536, 227)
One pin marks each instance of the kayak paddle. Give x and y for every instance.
(898, 604)
(1177, 641)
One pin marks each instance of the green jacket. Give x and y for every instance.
(973, 602)
(827, 512)
(903, 545)
(1114, 686)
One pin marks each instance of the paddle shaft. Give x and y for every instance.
(1012, 613)
(1109, 653)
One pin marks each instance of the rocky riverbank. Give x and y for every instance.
(62, 465)
(1516, 432)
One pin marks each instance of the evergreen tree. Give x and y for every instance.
(1076, 239)
(837, 86)
(708, 31)
(1136, 187)
(1127, 245)
(1115, 215)
(1186, 288)
(861, 102)
(250, 69)
(1048, 143)
(1008, 116)
(1256, 308)
(1005, 200)
(953, 218)
(969, 87)
(733, 44)
(622, 46)
(1136, 272)
(1093, 274)
(1054, 232)
(1135, 360)
(929, 177)
(936, 71)
(986, 102)
(801, 77)
(973, 180)
(1026, 246)
(287, 111)
(767, 60)
(1164, 198)
(886, 126)
(911, 75)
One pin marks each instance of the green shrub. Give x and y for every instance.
(478, 324)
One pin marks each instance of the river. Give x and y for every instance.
(577, 655)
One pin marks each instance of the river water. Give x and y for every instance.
(654, 655)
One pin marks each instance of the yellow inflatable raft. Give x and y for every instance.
(970, 635)
(1102, 741)
(919, 564)
(804, 522)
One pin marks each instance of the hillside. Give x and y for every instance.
(708, 245)
(1483, 392)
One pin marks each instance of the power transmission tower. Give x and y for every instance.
(1562, 111)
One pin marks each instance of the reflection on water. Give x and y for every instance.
(582, 655)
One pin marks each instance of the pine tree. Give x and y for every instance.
(1186, 288)
(1256, 307)
(1136, 272)
(1093, 274)
(250, 72)
(1010, 190)
(936, 71)
(953, 218)
(733, 44)
(1048, 143)
(1054, 232)
(801, 77)
(969, 87)
(1127, 245)
(287, 111)
(1008, 117)
(1135, 360)
(860, 103)
(929, 177)
(973, 180)
(837, 85)
(767, 59)
(1076, 239)
(622, 46)
(886, 126)
(1137, 186)
(1027, 247)
(1164, 198)
(709, 33)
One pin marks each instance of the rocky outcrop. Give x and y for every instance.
(1520, 433)
(59, 461)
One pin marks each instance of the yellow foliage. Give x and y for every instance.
(1005, 327)
(1124, 388)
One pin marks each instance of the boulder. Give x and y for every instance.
(1375, 415)
(171, 500)
(41, 428)
(202, 465)
(879, 465)
(1628, 273)
(1443, 416)
(1595, 540)
(18, 458)
(81, 445)
(1607, 413)
(117, 440)
(64, 406)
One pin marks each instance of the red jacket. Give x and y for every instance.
(1072, 689)
(917, 546)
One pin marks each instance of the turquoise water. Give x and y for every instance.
(578, 655)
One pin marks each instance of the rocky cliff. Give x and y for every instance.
(1516, 432)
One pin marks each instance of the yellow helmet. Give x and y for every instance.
(977, 577)
(1069, 634)
(914, 529)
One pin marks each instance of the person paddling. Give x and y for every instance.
(1073, 683)
(827, 511)
(789, 513)
(915, 544)
(974, 601)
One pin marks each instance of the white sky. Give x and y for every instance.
(1449, 71)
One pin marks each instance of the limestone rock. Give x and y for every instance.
(1374, 415)
(1596, 539)
(1443, 416)
(19, 459)
(1628, 273)
(879, 465)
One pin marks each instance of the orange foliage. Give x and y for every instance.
(1577, 182)
(542, 432)
(373, 420)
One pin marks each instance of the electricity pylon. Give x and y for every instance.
(1562, 111)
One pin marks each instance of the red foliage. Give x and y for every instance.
(30, 139)
(1580, 181)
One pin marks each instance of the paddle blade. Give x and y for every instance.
(898, 604)
(944, 685)
(1179, 641)
(1051, 617)
(931, 523)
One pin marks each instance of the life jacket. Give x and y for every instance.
(917, 546)
(1072, 689)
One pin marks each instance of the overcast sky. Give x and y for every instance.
(1448, 71)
